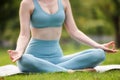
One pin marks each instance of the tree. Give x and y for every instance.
(116, 21)
(8, 11)
(111, 9)
(105, 10)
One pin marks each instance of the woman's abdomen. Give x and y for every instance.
(44, 48)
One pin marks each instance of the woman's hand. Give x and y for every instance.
(14, 55)
(109, 47)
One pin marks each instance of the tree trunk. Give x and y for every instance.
(116, 20)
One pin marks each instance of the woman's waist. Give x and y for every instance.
(41, 42)
(46, 33)
(45, 38)
(42, 50)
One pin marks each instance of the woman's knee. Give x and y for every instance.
(25, 59)
(25, 62)
(99, 55)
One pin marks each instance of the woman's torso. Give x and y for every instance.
(47, 32)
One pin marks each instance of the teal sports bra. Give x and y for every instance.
(41, 19)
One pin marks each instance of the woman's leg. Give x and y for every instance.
(29, 63)
(86, 59)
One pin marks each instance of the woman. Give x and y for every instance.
(44, 19)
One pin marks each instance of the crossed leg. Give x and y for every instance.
(86, 59)
(29, 63)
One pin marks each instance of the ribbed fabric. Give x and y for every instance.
(42, 19)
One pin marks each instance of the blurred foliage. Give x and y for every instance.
(91, 16)
(9, 22)
(98, 17)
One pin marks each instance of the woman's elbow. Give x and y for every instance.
(25, 35)
(73, 33)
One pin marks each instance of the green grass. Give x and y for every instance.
(114, 75)
(110, 75)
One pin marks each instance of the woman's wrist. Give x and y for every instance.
(97, 46)
(19, 51)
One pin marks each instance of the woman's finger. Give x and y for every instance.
(113, 46)
(16, 58)
(110, 45)
(9, 51)
(111, 50)
(107, 49)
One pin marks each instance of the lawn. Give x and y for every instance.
(110, 75)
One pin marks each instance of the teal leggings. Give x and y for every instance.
(47, 56)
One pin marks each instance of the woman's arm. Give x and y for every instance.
(24, 36)
(76, 33)
(24, 15)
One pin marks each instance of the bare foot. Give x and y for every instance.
(82, 70)
(87, 70)
(71, 71)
